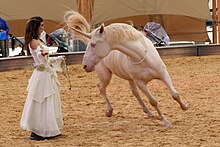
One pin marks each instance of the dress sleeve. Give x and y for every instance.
(56, 62)
(39, 54)
(56, 59)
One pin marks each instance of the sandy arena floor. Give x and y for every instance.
(196, 78)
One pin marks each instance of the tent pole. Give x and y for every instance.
(214, 17)
(85, 8)
(218, 13)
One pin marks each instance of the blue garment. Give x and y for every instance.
(3, 26)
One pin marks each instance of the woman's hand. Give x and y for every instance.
(2, 30)
(44, 53)
(64, 58)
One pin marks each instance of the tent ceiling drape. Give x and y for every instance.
(24, 9)
(17, 12)
(182, 20)
(105, 10)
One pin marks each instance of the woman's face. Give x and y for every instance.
(41, 28)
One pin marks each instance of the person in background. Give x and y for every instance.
(4, 30)
(42, 114)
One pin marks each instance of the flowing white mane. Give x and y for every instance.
(75, 20)
(118, 32)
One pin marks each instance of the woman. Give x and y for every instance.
(42, 111)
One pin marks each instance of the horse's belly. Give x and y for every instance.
(120, 71)
(122, 75)
(117, 63)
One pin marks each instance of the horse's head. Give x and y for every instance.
(97, 48)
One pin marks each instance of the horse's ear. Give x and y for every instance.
(101, 30)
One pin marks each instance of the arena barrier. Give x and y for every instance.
(22, 62)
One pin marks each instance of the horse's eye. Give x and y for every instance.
(93, 45)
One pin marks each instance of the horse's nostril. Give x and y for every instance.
(84, 66)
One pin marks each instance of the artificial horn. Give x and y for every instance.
(80, 32)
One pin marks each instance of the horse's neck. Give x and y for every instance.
(135, 50)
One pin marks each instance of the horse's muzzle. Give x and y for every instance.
(84, 67)
(87, 68)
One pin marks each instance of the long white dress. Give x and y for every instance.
(42, 110)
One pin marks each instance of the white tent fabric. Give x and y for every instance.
(24, 9)
(17, 12)
(182, 19)
(105, 10)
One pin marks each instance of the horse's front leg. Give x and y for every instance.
(109, 109)
(135, 92)
(105, 76)
(153, 102)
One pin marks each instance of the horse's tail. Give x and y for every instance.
(75, 20)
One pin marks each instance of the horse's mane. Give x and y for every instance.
(118, 32)
(75, 20)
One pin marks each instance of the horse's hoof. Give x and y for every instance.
(150, 115)
(108, 113)
(167, 125)
(184, 106)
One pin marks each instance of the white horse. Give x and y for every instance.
(122, 50)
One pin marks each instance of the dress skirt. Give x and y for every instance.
(42, 110)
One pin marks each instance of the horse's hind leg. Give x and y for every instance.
(167, 80)
(105, 76)
(135, 92)
(141, 85)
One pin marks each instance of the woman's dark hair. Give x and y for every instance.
(38, 18)
(31, 32)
